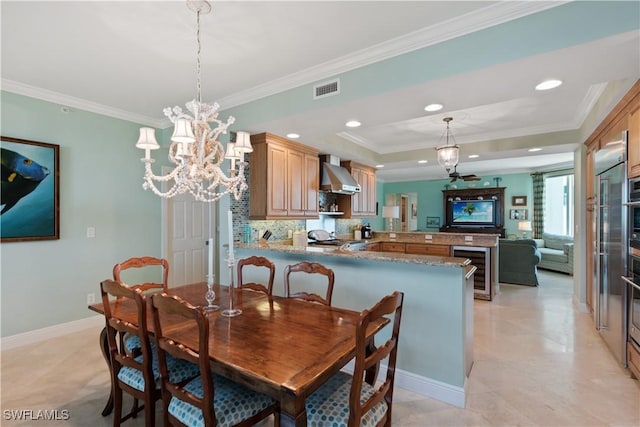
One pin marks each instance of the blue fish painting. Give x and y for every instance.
(20, 176)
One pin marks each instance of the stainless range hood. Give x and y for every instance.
(334, 178)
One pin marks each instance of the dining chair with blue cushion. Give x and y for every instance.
(136, 374)
(354, 400)
(311, 268)
(151, 264)
(207, 400)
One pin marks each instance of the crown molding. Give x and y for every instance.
(79, 103)
(490, 16)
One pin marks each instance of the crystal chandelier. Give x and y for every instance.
(195, 148)
(448, 154)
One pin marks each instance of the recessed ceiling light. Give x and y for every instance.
(352, 124)
(422, 161)
(548, 84)
(531, 150)
(473, 156)
(293, 135)
(433, 107)
(379, 166)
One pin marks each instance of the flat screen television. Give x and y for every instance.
(466, 213)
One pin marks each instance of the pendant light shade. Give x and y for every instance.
(449, 154)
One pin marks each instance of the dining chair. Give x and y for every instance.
(353, 400)
(309, 268)
(135, 374)
(207, 400)
(142, 262)
(132, 343)
(257, 261)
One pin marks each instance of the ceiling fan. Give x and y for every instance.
(455, 175)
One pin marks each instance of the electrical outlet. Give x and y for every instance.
(91, 232)
(91, 298)
(468, 238)
(428, 237)
(392, 235)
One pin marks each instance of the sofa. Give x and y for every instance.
(556, 252)
(518, 261)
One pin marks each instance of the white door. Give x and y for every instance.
(187, 230)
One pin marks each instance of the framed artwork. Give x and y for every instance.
(30, 196)
(433, 221)
(518, 214)
(519, 200)
(414, 210)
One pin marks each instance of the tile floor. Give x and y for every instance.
(538, 362)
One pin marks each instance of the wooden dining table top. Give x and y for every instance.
(282, 347)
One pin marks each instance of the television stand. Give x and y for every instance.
(482, 193)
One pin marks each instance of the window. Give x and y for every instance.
(558, 204)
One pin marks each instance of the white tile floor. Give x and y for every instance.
(538, 362)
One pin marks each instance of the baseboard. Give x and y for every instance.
(18, 340)
(423, 386)
(580, 306)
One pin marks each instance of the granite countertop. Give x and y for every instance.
(287, 247)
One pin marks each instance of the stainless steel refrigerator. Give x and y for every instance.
(611, 245)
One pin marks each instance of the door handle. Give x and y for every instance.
(629, 281)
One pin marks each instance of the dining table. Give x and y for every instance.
(282, 347)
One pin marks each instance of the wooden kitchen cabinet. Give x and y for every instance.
(283, 179)
(303, 184)
(392, 247)
(633, 355)
(414, 248)
(363, 204)
(424, 249)
(373, 247)
(633, 145)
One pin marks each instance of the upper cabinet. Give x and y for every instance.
(625, 115)
(283, 179)
(633, 145)
(363, 204)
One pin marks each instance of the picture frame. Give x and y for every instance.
(30, 197)
(433, 222)
(519, 214)
(519, 200)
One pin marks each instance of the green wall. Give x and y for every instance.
(430, 196)
(45, 283)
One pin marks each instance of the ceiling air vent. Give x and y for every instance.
(325, 89)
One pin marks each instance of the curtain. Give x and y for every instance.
(538, 204)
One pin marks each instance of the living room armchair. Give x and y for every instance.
(518, 261)
(556, 252)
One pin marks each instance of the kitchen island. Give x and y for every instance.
(435, 353)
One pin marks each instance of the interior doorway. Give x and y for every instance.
(186, 224)
(404, 212)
